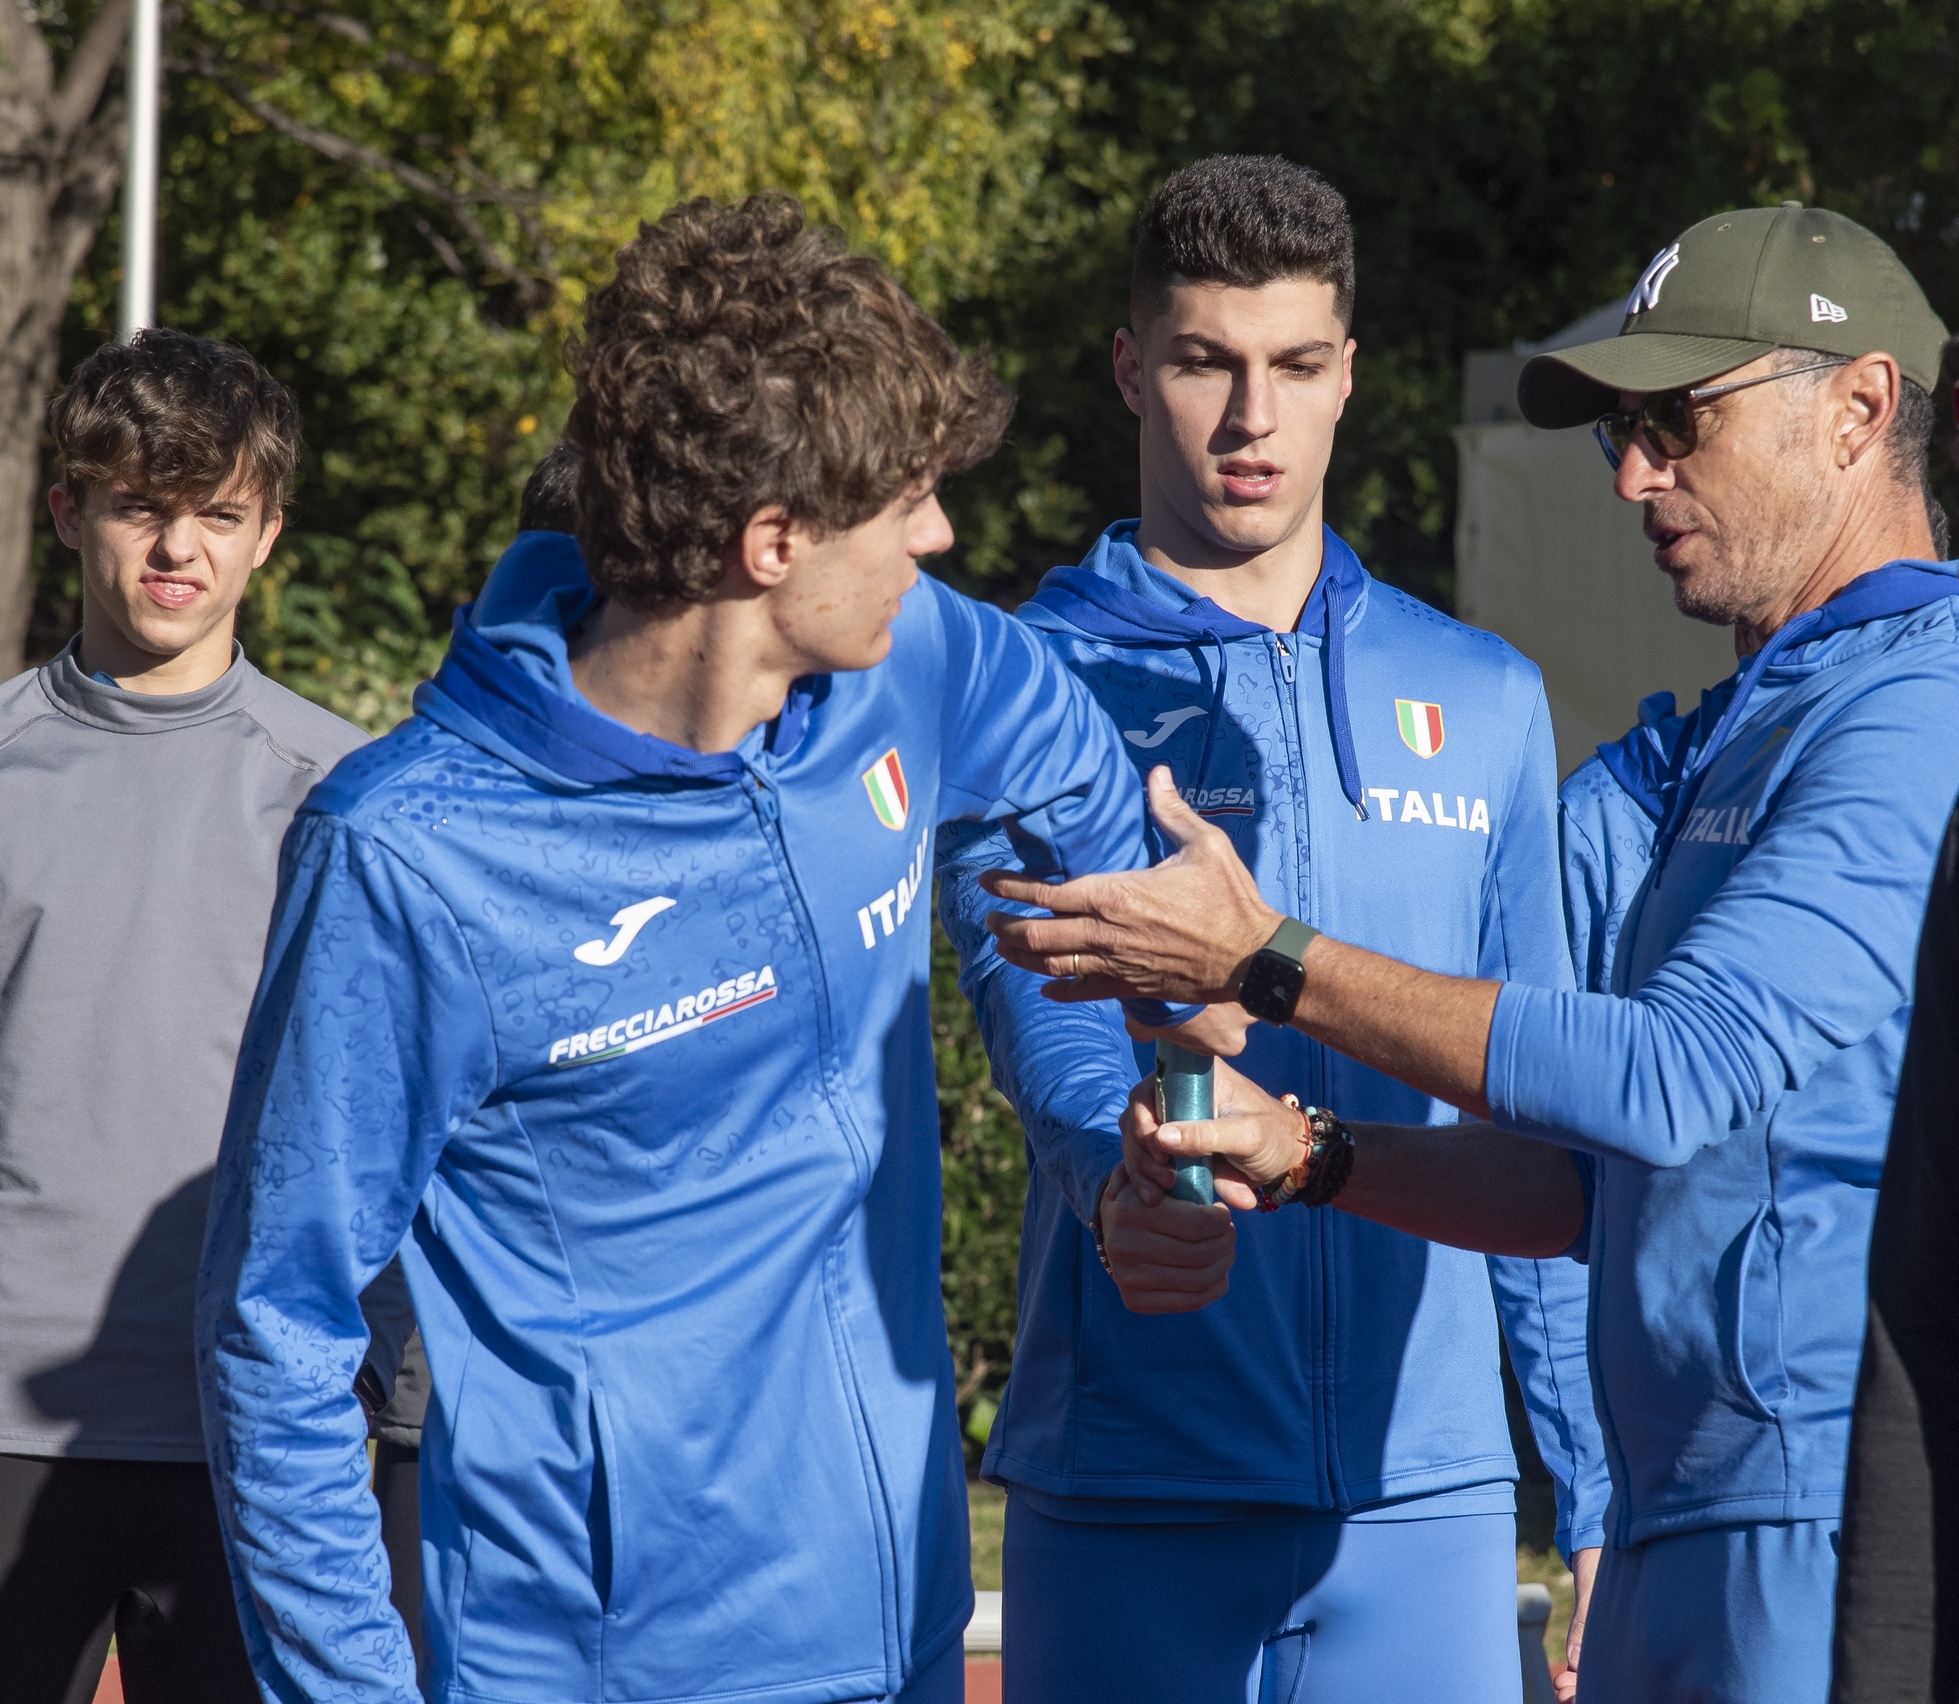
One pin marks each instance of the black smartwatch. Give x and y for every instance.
(1273, 980)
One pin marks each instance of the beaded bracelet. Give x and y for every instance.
(1322, 1170)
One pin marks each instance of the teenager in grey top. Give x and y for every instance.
(147, 776)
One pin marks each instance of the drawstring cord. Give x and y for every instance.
(1341, 723)
(1219, 682)
(1346, 762)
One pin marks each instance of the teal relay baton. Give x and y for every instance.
(1183, 1091)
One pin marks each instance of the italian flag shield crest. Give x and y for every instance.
(1421, 725)
(885, 782)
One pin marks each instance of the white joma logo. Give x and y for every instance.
(629, 923)
(1167, 723)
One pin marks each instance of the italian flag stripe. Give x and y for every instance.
(885, 782)
(1421, 726)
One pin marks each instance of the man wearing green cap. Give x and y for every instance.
(1706, 1125)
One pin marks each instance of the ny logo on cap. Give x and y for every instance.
(1823, 311)
(1646, 293)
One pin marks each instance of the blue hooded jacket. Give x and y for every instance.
(1386, 773)
(1748, 882)
(631, 1042)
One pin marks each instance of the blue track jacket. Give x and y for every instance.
(631, 1043)
(1748, 881)
(1349, 1364)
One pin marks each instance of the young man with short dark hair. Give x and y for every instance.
(1310, 1480)
(604, 979)
(147, 775)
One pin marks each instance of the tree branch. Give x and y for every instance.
(27, 63)
(392, 57)
(445, 250)
(532, 292)
(970, 1384)
(94, 62)
(90, 173)
(352, 29)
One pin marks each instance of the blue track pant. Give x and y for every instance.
(1260, 1611)
(1731, 1615)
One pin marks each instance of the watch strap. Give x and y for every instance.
(1291, 939)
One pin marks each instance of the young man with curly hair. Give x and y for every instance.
(147, 774)
(603, 979)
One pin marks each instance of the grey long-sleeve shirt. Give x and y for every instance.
(139, 854)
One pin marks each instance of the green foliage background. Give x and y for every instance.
(1510, 164)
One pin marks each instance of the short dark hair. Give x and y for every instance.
(1247, 220)
(740, 360)
(1907, 445)
(550, 499)
(179, 416)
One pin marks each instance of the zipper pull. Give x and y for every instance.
(762, 793)
(1285, 658)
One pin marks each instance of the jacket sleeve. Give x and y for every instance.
(1897, 1630)
(1543, 1304)
(370, 1039)
(1804, 950)
(1065, 1069)
(1025, 745)
(1037, 771)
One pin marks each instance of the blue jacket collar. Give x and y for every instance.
(1654, 757)
(1897, 588)
(1117, 597)
(506, 684)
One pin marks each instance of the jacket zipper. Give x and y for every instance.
(1318, 1262)
(768, 815)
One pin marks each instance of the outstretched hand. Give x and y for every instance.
(1182, 931)
(1252, 1140)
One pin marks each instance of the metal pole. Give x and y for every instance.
(139, 182)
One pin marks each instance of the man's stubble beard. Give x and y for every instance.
(1757, 555)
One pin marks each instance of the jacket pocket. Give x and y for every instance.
(1282, 1664)
(1766, 1376)
(603, 1520)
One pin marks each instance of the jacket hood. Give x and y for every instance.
(506, 684)
(1654, 757)
(1116, 597)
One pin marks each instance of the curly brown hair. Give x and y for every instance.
(741, 360)
(177, 416)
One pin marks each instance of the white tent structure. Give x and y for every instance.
(1548, 557)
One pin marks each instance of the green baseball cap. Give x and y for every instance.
(1731, 289)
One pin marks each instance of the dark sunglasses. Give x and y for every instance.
(1668, 417)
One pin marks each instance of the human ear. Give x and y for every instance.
(1867, 396)
(1128, 355)
(67, 514)
(269, 530)
(767, 548)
